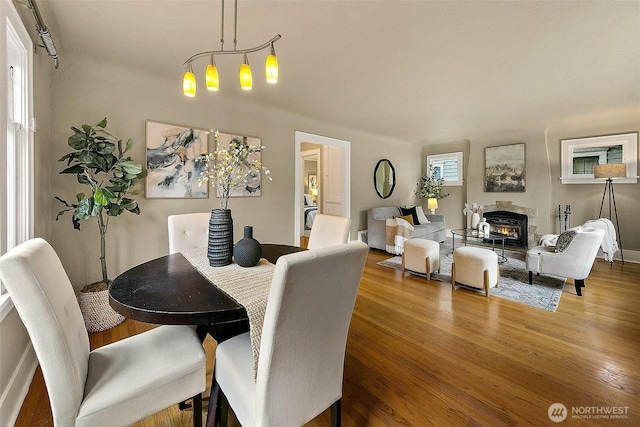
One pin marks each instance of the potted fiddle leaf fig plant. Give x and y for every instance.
(98, 161)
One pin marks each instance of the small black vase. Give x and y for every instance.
(247, 251)
(220, 244)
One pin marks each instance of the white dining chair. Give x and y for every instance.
(302, 349)
(114, 385)
(188, 231)
(328, 230)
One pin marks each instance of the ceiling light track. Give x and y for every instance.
(211, 75)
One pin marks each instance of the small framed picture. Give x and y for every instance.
(313, 182)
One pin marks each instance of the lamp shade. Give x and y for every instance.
(211, 76)
(246, 80)
(271, 67)
(610, 171)
(314, 191)
(189, 83)
(432, 205)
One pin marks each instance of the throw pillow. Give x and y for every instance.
(410, 211)
(407, 218)
(422, 218)
(564, 239)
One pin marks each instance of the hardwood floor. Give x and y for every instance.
(420, 354)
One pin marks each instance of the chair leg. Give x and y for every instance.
(579, 285)
(453, 275)
(336, 413)
(427, 267)
(486, 283)
(403, 263)
(531, 277)
(224, 410)
(197, 410)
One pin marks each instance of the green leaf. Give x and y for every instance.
(101, 197)
(102, 124)
(73, 169)
(87, 129)
(105, 147)
(80, 196)
(130, 167)
(85, 209)
(129, 145)
(77, 142)
(114, 210)
(87, 157)
(83, 179)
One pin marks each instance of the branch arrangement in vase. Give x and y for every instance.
(230, 167)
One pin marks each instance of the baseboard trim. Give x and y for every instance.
(16, 391)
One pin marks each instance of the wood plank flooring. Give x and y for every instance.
(420, 354)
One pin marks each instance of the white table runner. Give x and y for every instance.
(249, 286)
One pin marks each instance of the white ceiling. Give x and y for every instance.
(421, 71)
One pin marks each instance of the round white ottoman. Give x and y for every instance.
(421, 256)
(475, 267)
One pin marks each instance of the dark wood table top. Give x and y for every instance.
(170, 291)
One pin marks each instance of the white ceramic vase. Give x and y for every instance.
(475, 220)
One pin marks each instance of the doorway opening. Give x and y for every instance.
(329, 187)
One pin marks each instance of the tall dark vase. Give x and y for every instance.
(220, 245)
(247, 251)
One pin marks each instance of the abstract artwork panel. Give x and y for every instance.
(174, 161)
(505, 169)
(253, 187)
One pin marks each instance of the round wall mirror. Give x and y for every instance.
(384, 178)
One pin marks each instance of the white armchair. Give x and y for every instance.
(572, 259)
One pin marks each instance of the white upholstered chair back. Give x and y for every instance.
(305, 331)
(188, 231)
(43, 295)
(302, 348)
(328, 230)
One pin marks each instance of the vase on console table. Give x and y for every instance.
(248, 251)
(220, 242)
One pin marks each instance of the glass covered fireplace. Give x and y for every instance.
(511, 224)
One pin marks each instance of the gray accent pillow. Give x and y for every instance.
(564, 239)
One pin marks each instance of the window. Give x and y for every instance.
(447, 166)
(580, 155)
(16, 141)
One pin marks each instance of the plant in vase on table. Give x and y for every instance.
(99, 162)
(227, 168)
(430, 188)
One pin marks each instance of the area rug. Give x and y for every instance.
(545, 292)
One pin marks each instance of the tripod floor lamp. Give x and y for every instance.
(610, 172)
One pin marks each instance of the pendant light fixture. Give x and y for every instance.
(211, 75)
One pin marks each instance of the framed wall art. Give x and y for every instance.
(174, 161)
(253, 187)
(504, 169)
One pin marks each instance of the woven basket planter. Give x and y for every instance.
(96, 311)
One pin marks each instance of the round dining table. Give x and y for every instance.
(170, 291)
